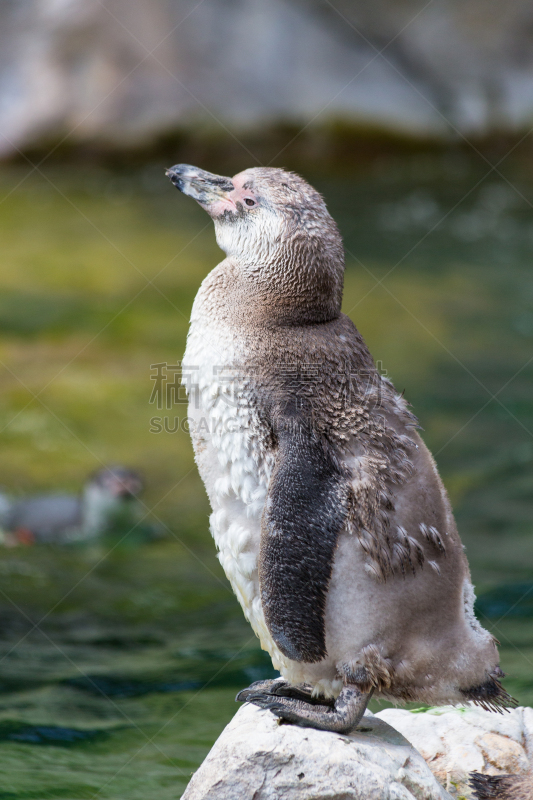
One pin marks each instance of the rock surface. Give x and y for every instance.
(457, 741)
(121, 73)
(256, 757)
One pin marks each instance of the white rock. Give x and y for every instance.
(256, 757)
(457, 741)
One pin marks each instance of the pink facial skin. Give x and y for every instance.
(228, 201)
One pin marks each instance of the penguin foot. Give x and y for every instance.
(260, 687)
(343, 717)
(281, 688)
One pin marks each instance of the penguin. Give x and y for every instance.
(65, 518)
(328, 512)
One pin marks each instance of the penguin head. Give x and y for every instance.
(116, 483)
(276, 228)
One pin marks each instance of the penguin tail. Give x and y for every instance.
(490, 695)
(501, 787)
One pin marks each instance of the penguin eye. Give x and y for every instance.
(249, 201)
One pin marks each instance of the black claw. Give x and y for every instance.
(261, 699)
(276, 708)
(258, 687)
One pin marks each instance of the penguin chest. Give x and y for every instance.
(234, 474)
(234, 466)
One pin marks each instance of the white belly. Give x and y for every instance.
(234, 471)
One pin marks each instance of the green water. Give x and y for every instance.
(119, 662)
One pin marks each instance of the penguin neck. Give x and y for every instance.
(278, 293)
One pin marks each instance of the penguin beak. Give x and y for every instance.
(209, 190)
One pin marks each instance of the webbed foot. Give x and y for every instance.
(341, 717)
(259, 687)
(281, 688)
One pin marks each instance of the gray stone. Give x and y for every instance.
(457, 741)
(256, 758)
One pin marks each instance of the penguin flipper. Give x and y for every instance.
(307, 505)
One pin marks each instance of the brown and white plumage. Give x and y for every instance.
(332, 523)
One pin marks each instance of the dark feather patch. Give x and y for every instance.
(307, 505)
(490, 695)
(500, 787)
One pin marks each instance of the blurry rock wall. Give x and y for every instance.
(121, 72)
